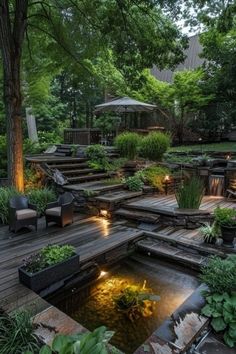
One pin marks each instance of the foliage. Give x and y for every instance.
(225, 217)
(155, 176)
(201, 160)
(220, 274)
(17, 333)
(135, 301)
(98, 158)
(41, 197)
(5, 195)
(154, 145)
(189, 195)
(118, 164)
(206, 147)
(48, 256)
(95, 342)
(173, 158)
(112, 181)
(107, 123)
(128, 144)
(222, 309)
(33, 178)
(209, 232)
(134, 183)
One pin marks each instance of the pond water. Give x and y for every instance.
(94, 305)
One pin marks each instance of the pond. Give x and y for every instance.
(94, 305)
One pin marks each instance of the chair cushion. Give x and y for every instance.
(23, 214)
(53, 211)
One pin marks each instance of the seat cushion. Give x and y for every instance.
(53, 211)
(23, 214)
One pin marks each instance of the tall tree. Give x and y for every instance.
(135, 30)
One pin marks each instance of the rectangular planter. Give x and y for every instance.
(48, 276)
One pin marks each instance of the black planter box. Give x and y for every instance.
(48, 276)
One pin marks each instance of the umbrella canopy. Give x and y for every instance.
(124, 105)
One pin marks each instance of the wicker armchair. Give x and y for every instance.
(21, 213)
(61, 212)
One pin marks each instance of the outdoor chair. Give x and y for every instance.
(21, 213)
(61, 211)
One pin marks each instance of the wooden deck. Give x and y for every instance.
(91, 236)
(169, 202)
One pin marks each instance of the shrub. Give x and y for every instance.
(41, 197)
(155, 176)
(220, 274)
(209, 232)
(128, 144)
(190, 194)
(48, 256)
(154, 145)
(134, 183)
(95, 342)
(6, 193)
(225, 217)
(17, 333)
(98, 158)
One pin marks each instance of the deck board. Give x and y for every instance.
(91, 236)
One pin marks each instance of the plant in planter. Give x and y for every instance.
(226, 219)
(209, 233)
(189, 195)
(95, 342)
(134, 183)
(53, 263)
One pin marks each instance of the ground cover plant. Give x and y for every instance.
(220, 277)
(17, 333)
(134, 183)
(48, 256)
(205, 147)
(154, 145)
(209, 232)
(155, 176)
(98, 158)
(189, 195)
(128, 144)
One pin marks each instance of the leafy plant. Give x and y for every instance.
(98, 158)
(48, 256)
(134, 183)
(155, 176)
(225, 216)
(135, 301)
(201, 160)
(154, 145)
(222, 309)
(189, 195)
(17, 333)
(209, 232)
(41, 197)
(128, 144)
(6, 193)
(95, 342)
(220, 274)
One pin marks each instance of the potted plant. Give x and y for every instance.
(50, 265)
(226, 219)
(189, 195)
(209, 233)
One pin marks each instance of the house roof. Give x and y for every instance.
(192, 61)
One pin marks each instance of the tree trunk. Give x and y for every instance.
(11, 40)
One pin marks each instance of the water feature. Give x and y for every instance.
(216, 185)
(94, 305)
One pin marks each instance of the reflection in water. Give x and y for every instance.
(95, 306)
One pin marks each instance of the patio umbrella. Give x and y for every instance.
(124, 105)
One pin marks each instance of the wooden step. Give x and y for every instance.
(95, 176)
(95, 186)
(77, 172)
(119, 196)
(165, 250)
(68, 165)
(141, 216)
